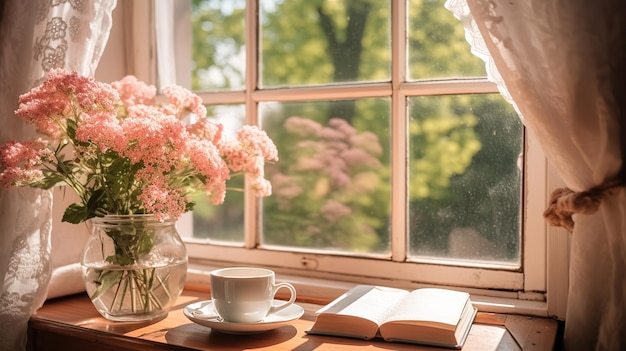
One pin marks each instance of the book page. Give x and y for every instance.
(369, 302)
(432, 306)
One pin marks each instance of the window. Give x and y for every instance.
(399, 163)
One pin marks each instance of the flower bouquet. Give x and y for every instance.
(126, 154)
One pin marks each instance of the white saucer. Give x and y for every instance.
(203, 313)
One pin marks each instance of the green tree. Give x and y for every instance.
(485, 196)
(217, 28)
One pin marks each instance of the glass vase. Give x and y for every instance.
(134, 266)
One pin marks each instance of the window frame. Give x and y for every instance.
(542, 278)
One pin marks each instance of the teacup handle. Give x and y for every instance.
(292, 299)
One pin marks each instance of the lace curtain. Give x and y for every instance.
(563, 64)
(36, 36)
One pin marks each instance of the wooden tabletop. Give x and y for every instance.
(72, 323)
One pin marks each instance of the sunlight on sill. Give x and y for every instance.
(325, 290)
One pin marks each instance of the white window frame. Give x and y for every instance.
(538, 288)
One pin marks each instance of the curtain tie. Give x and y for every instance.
(564, 203)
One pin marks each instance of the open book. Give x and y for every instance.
(431, 316)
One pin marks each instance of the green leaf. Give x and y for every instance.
(145, 242)
(65, 167)
(71, 128)
(189, 206)
(122, 258)
(50, 179)
(136, 167)
(94, 202)
(106, 280)
(118, 165)
(75, 213)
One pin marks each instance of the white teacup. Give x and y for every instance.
(245, 294)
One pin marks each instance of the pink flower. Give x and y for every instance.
(234, 155)
(153, 137)
(262, 186)
(149, 156)
(249, 152)
(334, 210)
(134, 92)
(331, 134)
(61, 96)
(302, 126)
(338, 175)
(342, 126)
(285, 189)
(367, 141)
(206, 159)
(161, 200)
(255, 138)
(206, 129)
(44, 114)
(20, 162)
(256, 142)
(103, 130)
(359, 157)
(184, 101)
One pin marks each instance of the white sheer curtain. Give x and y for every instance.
(564, 65)
(36, 36)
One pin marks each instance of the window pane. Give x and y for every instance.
(437, 45)
(465, 178)
(306, 42)
(331, 186)
(218, 49)
(223, 222)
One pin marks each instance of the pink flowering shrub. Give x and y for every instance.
(325, 186)
(124, 153)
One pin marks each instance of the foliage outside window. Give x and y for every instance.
(335, 182)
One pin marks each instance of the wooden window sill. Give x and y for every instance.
(72, 323)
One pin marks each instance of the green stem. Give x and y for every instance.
(167, 291)
(137, 288)
(133, 291)
(117, 289)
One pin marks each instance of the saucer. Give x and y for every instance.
(203, 313)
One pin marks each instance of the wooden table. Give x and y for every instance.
(72, 323)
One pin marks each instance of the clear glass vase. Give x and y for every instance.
(134, 266)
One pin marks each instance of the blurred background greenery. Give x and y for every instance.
(332, 184)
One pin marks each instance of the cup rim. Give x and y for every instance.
(255, 272)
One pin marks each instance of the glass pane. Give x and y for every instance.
(437, 45)
(306, 42)
(223, 222)
(465, 178)
(331, 186)
(218, 49)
